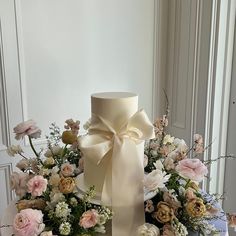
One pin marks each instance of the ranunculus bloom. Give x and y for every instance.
(149, 206)
(196, 208)
(27, 128)
(18, 183)
(148, 230)
(171, 199)
(89, 219)
(156, 179)
(192, 169)
(164, 213)
(67, 169)
(28, 222)
(232, 220)
(37, 185)
(66, 185)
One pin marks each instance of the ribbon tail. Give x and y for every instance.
(127, 188)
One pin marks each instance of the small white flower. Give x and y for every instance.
(73, 201)
(55, 150)
(100, 229)
(65, 228)
(62, 210)
(148, 230)
(168, 139)
(13, 150)
(155, 180)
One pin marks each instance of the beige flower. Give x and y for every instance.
(169, 164)
(189, 194)
(231, 219)
(49, 161)
(174, 203)
(66, 185)
(53, 151)
(13, 150)
(149, 206)
(54, 180)
(38, 203)
(23, 164)
(196, 208)
(164, 213)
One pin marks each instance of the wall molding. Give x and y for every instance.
(4, 117)
(7, 169)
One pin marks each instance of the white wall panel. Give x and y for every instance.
(6, 194)
(69, 50)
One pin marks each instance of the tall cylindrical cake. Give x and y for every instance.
(116, 108)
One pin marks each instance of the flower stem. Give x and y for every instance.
(32, 146)
(187, 184)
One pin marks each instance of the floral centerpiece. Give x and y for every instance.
(179, 206)
(46, 186)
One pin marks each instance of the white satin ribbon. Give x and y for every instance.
(124, 175)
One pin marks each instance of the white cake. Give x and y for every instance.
(116, 108)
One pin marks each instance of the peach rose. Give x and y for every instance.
(196, 208)
(27, 128)
(66, 185)
(67, 169)
(28, 222)
(89, 219)
(164, 213)
(192, 169)
(37, 185)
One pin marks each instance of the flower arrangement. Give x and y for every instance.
(49, 204)
(46, 186)
(179, 205)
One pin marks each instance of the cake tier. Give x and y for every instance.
(116, 108)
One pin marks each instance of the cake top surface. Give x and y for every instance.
(114, 95)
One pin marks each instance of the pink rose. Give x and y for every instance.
(89, 219)
(192, 169)
(18, 183)
(37, 185)
(27, 128)
(28, 222)
(67, 169)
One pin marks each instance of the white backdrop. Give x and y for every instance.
(54, 54)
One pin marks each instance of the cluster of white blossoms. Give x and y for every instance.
(62, 210)
(65, 228)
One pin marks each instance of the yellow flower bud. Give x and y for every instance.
(68, 137)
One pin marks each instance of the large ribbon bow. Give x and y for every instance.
(123, 184)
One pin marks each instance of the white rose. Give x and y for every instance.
(156, 179)
(148, 230)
